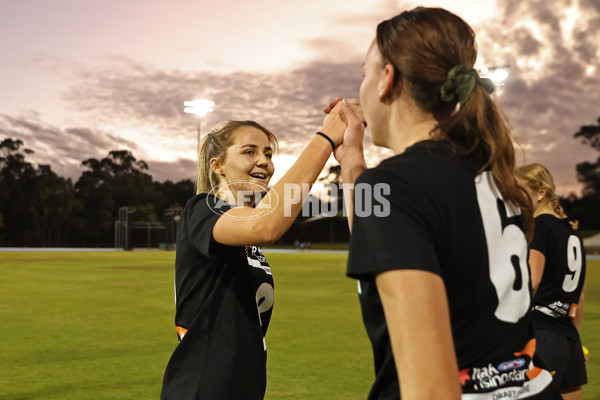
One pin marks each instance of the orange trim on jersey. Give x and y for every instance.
(529, 350)
(573, 311)
(180, 332)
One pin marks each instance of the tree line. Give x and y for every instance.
(40, 208)
(586, 208)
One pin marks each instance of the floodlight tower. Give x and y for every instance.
(200, 108)
(497, 74)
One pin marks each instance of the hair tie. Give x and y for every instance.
(460, 83)
(328, 139)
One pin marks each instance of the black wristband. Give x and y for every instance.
(328, 139)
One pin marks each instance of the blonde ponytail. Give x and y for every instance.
(560, 210)
(536, 176)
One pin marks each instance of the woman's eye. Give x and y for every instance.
(249, 152)
(269, 155)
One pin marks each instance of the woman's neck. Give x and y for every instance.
(545, 208)
(405, 137)
(409, 125)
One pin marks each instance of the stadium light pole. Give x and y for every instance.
(497, 74)
(200, 108)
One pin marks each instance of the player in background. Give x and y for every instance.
(223, 283)
(557, 262)
(441, 254)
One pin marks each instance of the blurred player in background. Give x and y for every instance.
(557, 262)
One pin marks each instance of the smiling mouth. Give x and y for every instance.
(259, 176)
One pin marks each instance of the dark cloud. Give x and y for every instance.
(528, 44)
(66, 149)
(173, 171)
(63, 149)
(290, 103)
(549, 94)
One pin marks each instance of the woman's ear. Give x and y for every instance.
(541, 194)
(386, 88)
(215, 165)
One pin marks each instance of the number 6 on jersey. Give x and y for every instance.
(507, 252)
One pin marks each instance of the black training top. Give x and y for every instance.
(224, 298)
(564, 274)
(431, 210)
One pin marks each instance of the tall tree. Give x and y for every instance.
(587, 208)
(590, 134)
(53, 204)
(589, 173)
(16, 184)
(175, 194)
(115, 181)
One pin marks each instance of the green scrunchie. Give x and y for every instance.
(460, 83)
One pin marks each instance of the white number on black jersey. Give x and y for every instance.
(507, 252)
(574, 263)
(264, 293)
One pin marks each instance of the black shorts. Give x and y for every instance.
(563, 357)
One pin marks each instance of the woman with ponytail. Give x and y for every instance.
(442, 261)
(223, 283)
(557, 263)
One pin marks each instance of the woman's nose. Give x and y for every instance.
(262, 160)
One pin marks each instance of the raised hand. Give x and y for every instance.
(350, 153)
(331, 105)
(355, 130)
(334, 124)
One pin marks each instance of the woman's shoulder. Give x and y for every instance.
(549, 220)
(193, 201)
(546, 221)
(206, 202)
(552, 223)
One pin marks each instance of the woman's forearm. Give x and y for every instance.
(580, 309)
(351, 169)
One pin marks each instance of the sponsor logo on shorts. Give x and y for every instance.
(513, 364)
(489, 377)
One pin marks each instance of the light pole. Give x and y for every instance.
(200, 108)
(497, 74)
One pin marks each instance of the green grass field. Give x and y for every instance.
(100, 326)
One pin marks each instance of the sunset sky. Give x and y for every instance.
(80, 78)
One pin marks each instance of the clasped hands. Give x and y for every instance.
(345, 125)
